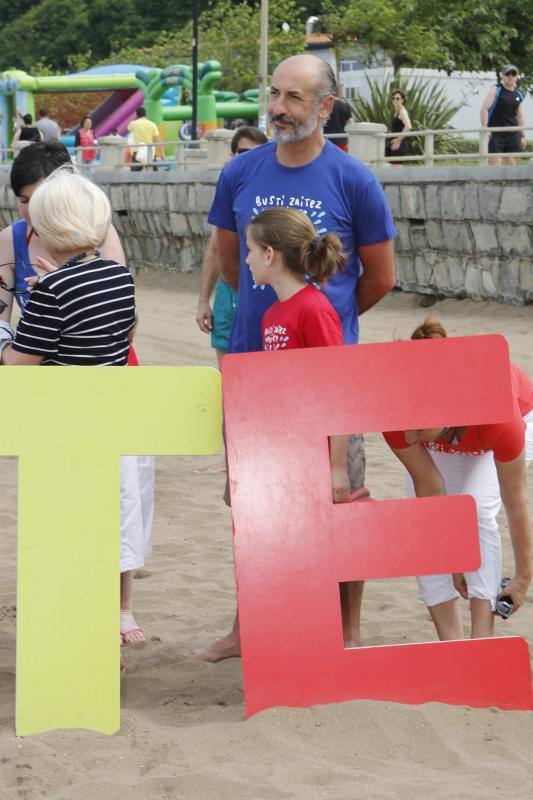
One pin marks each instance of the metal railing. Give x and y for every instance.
(188, 153)
(428, 157)
(196, 150)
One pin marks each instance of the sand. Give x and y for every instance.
(183, 732)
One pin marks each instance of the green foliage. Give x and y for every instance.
(450, 35)
(65, 35)
(47, 32)
(385, 27)
(229, 33)
(426, 103)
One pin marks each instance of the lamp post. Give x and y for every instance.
(263, 66)
(194, 120)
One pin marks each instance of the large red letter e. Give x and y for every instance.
(293, 547)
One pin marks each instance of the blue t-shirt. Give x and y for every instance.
(337, 192)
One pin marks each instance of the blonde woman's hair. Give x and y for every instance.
(430, 329)
(293, 235)
(69, 212)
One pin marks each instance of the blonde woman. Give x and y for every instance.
(83, 313)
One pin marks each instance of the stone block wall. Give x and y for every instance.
(462, 231)
(161, 218)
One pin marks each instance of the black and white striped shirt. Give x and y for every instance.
(80, 315)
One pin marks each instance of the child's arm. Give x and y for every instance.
(338, 456)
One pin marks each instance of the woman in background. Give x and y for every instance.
(399, 146)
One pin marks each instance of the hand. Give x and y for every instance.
(516, 589)
(340, 485)
(523, 143)
(459, 582)
(395, 144)
(204, 317)
(44, 266)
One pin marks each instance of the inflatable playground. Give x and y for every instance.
(117, 91)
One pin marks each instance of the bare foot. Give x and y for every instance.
(352, 641)
(228, 646)
(130, 633)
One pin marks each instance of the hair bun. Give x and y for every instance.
(430, 329)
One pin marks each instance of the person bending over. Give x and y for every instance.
(487, 462)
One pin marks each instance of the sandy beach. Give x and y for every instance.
(183, 731)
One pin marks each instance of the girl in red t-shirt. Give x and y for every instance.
(284, 251)
(487, 462)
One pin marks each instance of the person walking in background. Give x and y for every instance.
(27, 131)
(218, 321)
(48, 127)
(145, 134)
(502, 108)
(85, 142)
(340, 116)
(399, 146)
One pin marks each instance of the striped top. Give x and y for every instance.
(80, 315)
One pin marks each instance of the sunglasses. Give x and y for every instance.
(511, 72)
(397, 97)
(241, 150)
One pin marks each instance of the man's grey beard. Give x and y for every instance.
(300, 130)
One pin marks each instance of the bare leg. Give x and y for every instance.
(229, 646)
(482, 618)
(220, 356)
(129, 634)
(495, 161)
(351, 598)
(447, 620)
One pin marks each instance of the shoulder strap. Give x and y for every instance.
(23, 267)
(495, 101)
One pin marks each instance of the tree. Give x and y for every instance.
(454, 35)
(50, 32)
(229, 33)
(386, 29)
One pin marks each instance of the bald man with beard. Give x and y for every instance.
(301, 170)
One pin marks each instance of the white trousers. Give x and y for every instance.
(476, 476)
(136, 510)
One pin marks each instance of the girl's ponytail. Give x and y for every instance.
(323, 256)
(293, 235)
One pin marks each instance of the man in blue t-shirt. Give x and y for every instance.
(301, 170)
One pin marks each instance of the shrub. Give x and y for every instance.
(426, 102)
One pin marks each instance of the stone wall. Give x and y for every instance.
(462, 231)
(160, 217)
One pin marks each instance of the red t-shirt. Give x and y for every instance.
(505, 439)
(307, 319)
